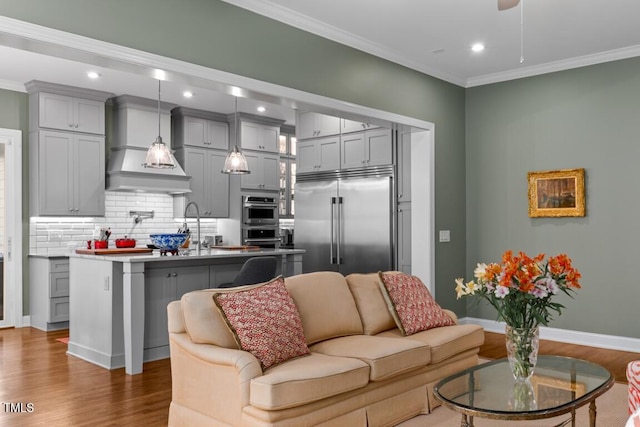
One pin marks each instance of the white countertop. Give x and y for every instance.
(205, 253)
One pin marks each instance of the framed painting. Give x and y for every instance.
(556, 193)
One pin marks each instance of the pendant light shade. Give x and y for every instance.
(236, 162)
(158, 155)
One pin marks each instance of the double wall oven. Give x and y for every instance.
(260, 221)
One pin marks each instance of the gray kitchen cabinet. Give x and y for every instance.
(314, 125)
(49, 292)
(347, 126)
(66, 149)
(206, 133)
(265, 172)
(209, 186)
(255, 133)
(364, 149)
(319, 154)
(67, 174)
(404, 238)
(163, 285)
(197, 128)
(68, 113)
(403, 176)
(259, 137)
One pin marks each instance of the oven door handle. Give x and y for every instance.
(260, 205)
(266, 239)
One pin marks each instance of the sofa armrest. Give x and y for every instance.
(211, 380)
(452, 315)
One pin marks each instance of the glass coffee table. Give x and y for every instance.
(559, 385)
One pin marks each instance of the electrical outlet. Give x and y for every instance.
(55, 235)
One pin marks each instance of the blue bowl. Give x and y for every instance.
(169, 242)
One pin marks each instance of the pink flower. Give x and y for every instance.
(501, 291)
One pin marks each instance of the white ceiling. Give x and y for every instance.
(431, 36)
(21, 66)
(435, 36)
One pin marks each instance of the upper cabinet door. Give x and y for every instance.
(56, 111)
(314, 125)
(205, 133)
(259, 137)
(71, 114)
(89, 116)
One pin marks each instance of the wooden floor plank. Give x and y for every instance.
(67, 391)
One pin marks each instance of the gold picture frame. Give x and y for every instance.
(556, 193)
(556, 391)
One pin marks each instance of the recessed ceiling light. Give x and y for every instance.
(261, 109)
(477, 47)
(93, 74)
(187, 94)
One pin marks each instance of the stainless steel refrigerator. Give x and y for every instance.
(345, 223)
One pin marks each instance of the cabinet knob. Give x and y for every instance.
(168, 274)
(76, 126)
(70, 125)
(174, 275)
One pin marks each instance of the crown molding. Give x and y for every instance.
(322, 29)
(11, 85)
(552, 67)
(297, 20)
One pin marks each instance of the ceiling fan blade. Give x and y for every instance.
(507, 4)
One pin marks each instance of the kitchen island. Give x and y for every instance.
(118, 303)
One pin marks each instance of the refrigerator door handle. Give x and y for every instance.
(339, 243)
(332, 203)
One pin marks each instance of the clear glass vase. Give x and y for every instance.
(522, 351)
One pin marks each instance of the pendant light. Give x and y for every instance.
(236, 163)
(158, 155)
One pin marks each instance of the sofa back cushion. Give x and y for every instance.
(203, 320)
(371, 304)
(325, 304)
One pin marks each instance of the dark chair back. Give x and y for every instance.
(255, 270)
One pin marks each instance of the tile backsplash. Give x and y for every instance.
(59, 235)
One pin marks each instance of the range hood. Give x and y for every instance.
(135, 124)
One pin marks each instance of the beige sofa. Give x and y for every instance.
(361, 370)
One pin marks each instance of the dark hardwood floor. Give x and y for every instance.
(40, 385)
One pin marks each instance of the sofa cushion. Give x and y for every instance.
(387, 357)
(371, 305)
(265, 322)
(325, 304)
(307, 379)
(446, 341)
(203, 321)
(411, 305)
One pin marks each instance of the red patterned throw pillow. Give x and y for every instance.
(265, 322)
(411, 305)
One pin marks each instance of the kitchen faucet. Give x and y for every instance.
(197, 219)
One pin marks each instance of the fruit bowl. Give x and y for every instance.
(168, 242)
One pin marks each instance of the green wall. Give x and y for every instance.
(220, 36)
(583, 118)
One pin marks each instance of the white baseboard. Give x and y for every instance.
(611, 342)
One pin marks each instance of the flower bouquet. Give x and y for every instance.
(521, 290)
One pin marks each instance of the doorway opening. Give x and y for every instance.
(10, 228)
